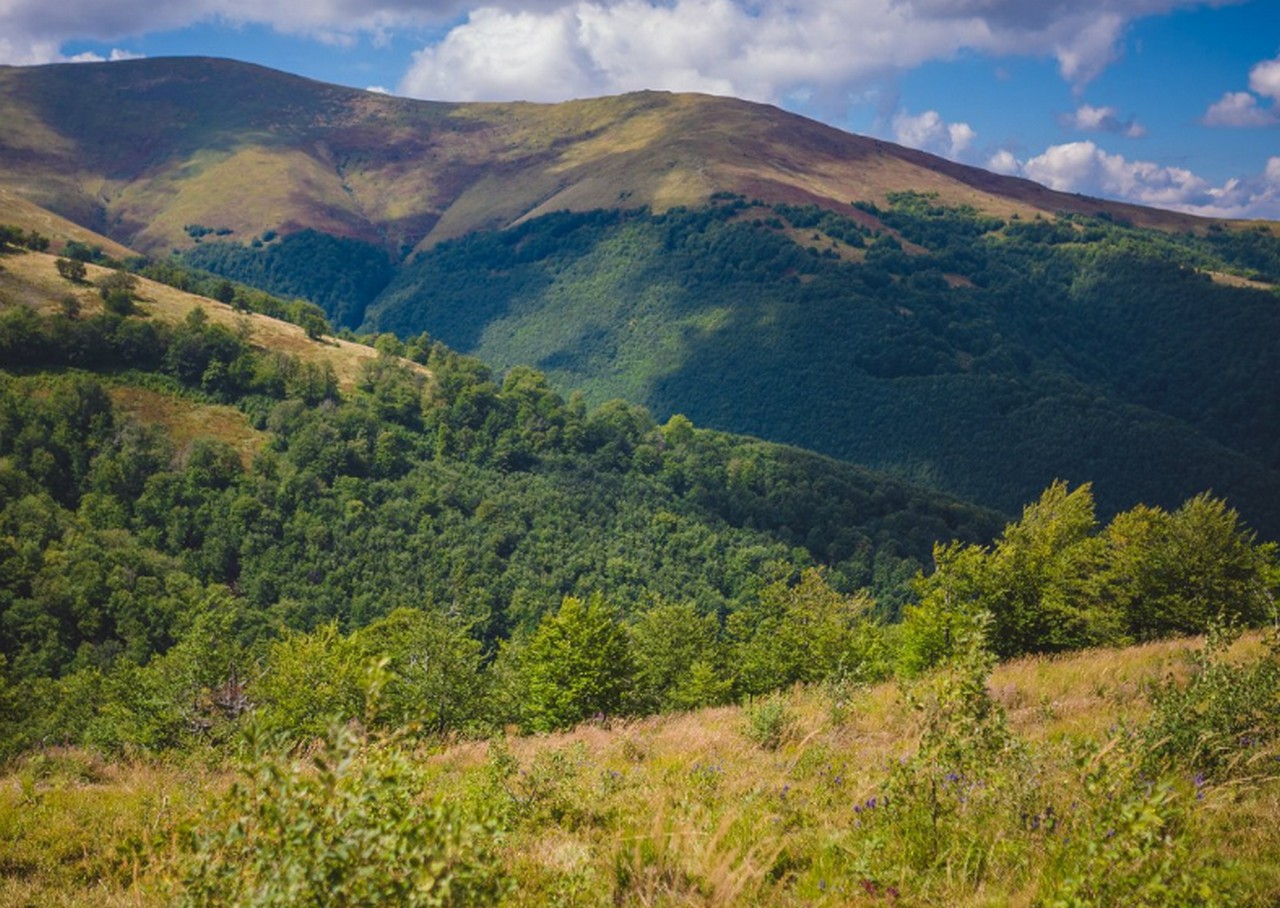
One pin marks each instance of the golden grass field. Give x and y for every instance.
(680, 809)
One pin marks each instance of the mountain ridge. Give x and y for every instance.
(146, 148)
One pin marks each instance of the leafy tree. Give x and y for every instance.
(435, 675)
(679, 661)
(801, 631)
(1176, 573)
(577, 664)
(72, 269)
(310, 681)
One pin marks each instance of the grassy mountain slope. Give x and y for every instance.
(142, 150)
(689, 809)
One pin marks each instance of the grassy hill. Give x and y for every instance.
(705, 808)
(144, 150)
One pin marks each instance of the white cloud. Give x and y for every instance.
(1264, 79)
(1238, 108)
(762, 49)
(1004, 161)
(1088, 118)
(1085, 168)
(928, 132)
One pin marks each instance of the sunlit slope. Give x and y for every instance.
(142, 150)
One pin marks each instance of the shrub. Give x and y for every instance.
(768, 722)
(349, 826)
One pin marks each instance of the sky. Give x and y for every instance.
(1171, 103)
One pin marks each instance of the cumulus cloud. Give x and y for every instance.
(1241, 108)
(929, 132)
(1085, 168)
(115, 55)
(763, 49)
(1088, 118)
(1238, 108)
(1264, 79)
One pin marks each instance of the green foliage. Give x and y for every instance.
(311, 681)
(1051, 583)
(435, 679)
(999, 357)
(768, 722)
(576, 665)
(351, 825)
(1131, 847)
(341, 276)
(679, 659)
(1221, 723)
(803, 631)
(73, 270)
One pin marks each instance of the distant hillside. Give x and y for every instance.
(984, 356)
(323, 480)
(151, 152)
(754, 270)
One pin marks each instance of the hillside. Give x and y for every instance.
(186, 450)
(753, 270)
(701, 809)
(986, 357)
(142, 150)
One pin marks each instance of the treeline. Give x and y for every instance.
(133, 563)
(342, 276)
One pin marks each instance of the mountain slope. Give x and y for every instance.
(754, 270)
(141, 150)
(987, 357)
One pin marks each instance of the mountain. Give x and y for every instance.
(754, 270)
(143, 149)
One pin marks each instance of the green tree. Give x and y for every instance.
(310, 681)
(678, 659)
(576, 665)
(1177, 573)
(802, 631)
(73, 270)
(436, 679)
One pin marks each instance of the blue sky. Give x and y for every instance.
(1164, 102)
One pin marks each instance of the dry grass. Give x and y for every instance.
(184, 420)
(32, 279)
(679, 810)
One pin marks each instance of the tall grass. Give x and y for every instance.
(1032, 785)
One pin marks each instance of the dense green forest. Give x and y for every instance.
(516, 556)
(982, 357)
(487, 501)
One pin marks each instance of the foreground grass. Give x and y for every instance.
(826, 796)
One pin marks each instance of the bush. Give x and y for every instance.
(349, 826)
(73, 270)
(768, 722)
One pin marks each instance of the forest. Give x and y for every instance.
(983, 357)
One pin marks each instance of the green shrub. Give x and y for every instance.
(768, 722)
(1221, 722)
(352, 825)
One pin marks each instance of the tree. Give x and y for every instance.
(678, 659)
(577, 665)
(1177, 573)
(225, 292)
(435, 669)
(72, 269)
